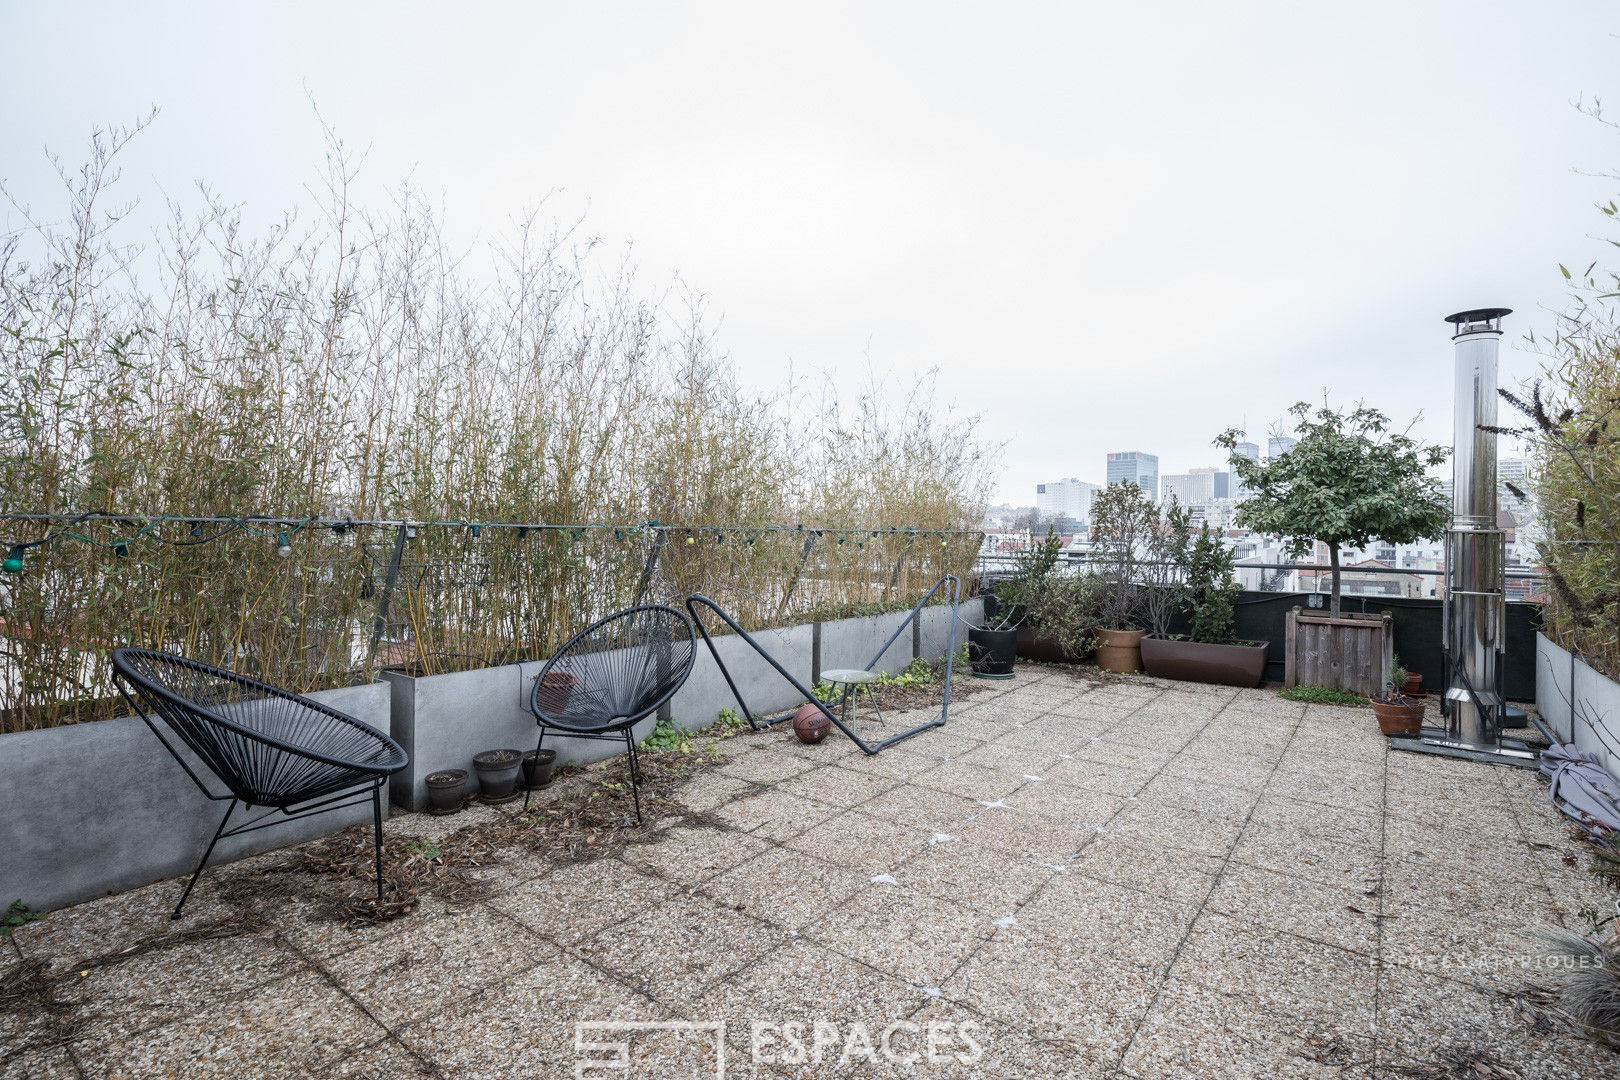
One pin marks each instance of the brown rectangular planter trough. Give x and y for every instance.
(1192, 661)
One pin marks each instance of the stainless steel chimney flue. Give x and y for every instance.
(1475, 613)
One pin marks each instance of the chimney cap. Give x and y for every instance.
(1478, 315)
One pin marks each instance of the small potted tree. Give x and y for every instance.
(1348, 479)
(1066, 613)
(993, 642)
(1123, 518)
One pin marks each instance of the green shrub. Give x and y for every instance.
(1321, 695)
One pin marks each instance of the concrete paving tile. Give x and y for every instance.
(970, 781)
(1106, 751)
(389, 1059)
(1486, 948)
(786, 888)
(112, 924)
(709, 790)
(780, 1000)
(436, 962)
(1095, 776)
(1054, 994)
(149, 989)
(288, 1028)
(1033, 836)
(1227, 771)
(52, 1064)
(913, 936)
(970, 1046)
(1193, 1031)
(838, 787)
(526, 1025)
(689, 856)
(774, 815)
(1174, 875)
(1073, 807)
(1315, 985)
(976, 877)
(1289, 851)
(901, 762)
(1203, 796)
(676, 950)
(764, 766)
(1339, 825)
(1295, 905)
(923, 808)
(1424, 1019)
(577, 899)
(1052, 735)
(1106, 922)
(1150, 823)
(861, 842)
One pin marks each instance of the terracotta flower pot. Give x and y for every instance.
(1398, 718)
(1413, 687)
(555, 690)
(1120, 650)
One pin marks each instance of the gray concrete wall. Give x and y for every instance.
(766, 692)
(90, 809)
(1579, 703)
(442, 721)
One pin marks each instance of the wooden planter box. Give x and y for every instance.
(1353, 652)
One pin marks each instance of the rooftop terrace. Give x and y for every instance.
(1102, 877)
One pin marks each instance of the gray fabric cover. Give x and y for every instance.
(1582, 788)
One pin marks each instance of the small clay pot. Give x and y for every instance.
(497, 774)
(537, 766)
(1398, 717)
(1413, 687)
(445, 790)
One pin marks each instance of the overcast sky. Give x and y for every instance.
(1110, 226)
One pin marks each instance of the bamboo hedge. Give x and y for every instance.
(355, 370)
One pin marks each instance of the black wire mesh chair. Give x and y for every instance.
(270, 748)
(615, 672)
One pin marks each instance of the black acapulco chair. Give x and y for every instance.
(268, 747)
(614, 673)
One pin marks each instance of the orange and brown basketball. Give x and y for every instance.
(810, 724)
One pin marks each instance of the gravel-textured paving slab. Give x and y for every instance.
(1077, 877)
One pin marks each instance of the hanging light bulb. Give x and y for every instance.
(283, 548)
(121, 548)
(477, 530)
(14, 560)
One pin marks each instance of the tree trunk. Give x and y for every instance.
(1333, 561)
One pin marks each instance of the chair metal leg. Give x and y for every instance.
(635, 772)
(376, 818)
(197, 873)
(528, 791)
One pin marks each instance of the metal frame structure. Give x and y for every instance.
(696, 600)
(619, 693)
(287, 753)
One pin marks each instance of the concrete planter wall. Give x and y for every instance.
(90, 809)
(1579, 703)
(443, 720)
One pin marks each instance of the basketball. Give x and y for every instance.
(810, 724)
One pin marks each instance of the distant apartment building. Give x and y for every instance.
(1135, 467)
(1067, 499)
(1235, 483)
(1196, 489)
